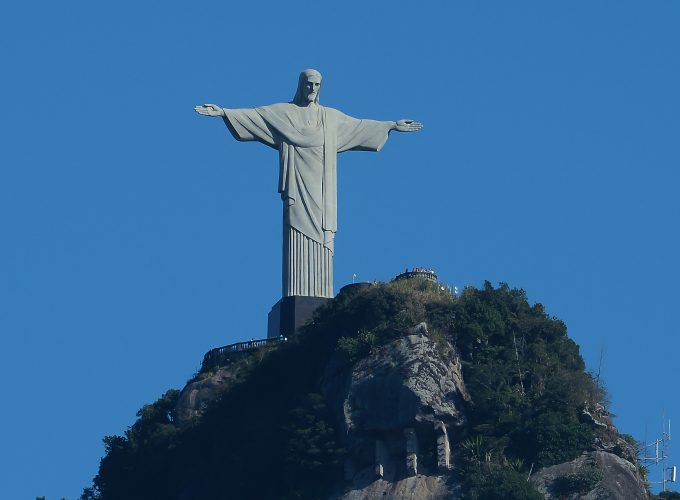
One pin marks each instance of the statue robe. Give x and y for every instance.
(308, 140)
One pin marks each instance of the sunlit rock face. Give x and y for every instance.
(610, 477)
(411, 488)
(398, 406)
(199, 393)
(407, 382)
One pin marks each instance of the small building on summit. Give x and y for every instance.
(418, 272)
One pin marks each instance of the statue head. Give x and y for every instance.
(309, 85)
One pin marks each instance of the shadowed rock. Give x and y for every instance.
(396, 407)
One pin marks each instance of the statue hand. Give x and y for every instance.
(408, 126)
(209, 110)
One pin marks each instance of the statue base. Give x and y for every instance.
(290, 313)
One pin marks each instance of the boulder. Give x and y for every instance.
(409, 380)
(410, 488)
(398, 407)
(203, 390)
(601, 475)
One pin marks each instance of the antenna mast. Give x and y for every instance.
(661, 454)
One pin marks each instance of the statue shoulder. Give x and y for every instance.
(331, 111)
(333, 115)
(277, 108)
(338, 116)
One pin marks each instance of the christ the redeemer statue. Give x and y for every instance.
(308, 137)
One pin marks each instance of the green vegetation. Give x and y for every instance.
(271, 434)
(669, 495)
(504, 483)
(581, 481)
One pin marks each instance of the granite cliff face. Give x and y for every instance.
(400, 392)
(199, 394)
(397, 408)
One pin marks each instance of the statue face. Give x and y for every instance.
(311, 87)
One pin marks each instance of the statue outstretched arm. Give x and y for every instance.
(405, 125)
(209, 110)
(245, 124)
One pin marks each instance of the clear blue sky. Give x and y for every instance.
(136, 235)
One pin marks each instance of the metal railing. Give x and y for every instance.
(218, 356)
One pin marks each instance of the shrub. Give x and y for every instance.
(581, 481)
(502, 484)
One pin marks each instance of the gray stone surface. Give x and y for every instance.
(444, 458)
(197, 395)
(411, 488)
(401, 407)
(411, 451)
(405, 382)
(597, 416)
(621, 480)
(308, 137)
(397, 406)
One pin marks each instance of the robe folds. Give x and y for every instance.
(308, 140)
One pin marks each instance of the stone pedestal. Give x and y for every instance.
(290, 313)
(443, 447)
(411, 452)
